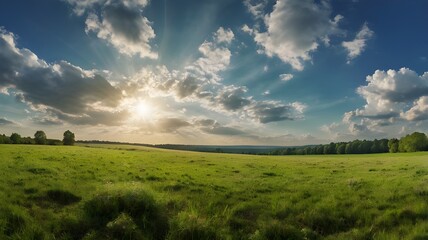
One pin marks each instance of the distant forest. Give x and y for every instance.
(410, 143)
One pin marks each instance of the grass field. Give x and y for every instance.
(129, 192)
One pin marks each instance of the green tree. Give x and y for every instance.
(68, 138)
(393, 145)
(414, 142)
(341, 148)
(15, 138)
(348, 148)
(40, 137)
(4, 139)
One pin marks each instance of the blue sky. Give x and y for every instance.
(266, 72)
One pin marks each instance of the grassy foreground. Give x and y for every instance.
(129, 192)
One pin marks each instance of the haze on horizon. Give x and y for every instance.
(222, 72)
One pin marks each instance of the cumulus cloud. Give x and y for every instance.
(224, 35)
(286, 77)
(214, 60)
(358, 45)
(294, 30)
(388, 93)
(393, 99)
(123, 26)
(59, 88)
(419, 111)
(245, 28)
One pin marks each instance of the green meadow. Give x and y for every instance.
(130, 192)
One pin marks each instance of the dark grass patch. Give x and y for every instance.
(175, 187)
(139, 206)
(61, 197)
(154, 178)
(269, 174)
(326, 221)
(422, 236)
(280, 231)
(421, 191)
(421, 172)
(39, 170)
(263, 190)
(70, 228)
(14, 222)
(30, 190)
(243, 220)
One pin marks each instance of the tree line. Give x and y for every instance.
(410, 143)
(40, 138)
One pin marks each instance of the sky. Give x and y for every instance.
(223, 72)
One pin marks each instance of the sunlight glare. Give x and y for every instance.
(143, 110)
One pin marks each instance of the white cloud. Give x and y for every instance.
(286, 77)
(419, 111)
(357, 46)
(214, 60)
(247, 29)
(256, 9)
(294, 30)
(81, 6)
(394, 99)
(224, 36)
(123, 26)
(388, 93)
(59, 90)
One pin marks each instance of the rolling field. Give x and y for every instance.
(129, 192)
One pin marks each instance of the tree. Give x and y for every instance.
(68, 138)
(40, 137)
(4, 139)
(393, 145)
(15, 138)
(341, 148)
(414, 142)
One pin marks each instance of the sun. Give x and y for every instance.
(143, 110)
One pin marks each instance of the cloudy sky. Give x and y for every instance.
(265, 72)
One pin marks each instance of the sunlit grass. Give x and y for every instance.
(47, 191)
